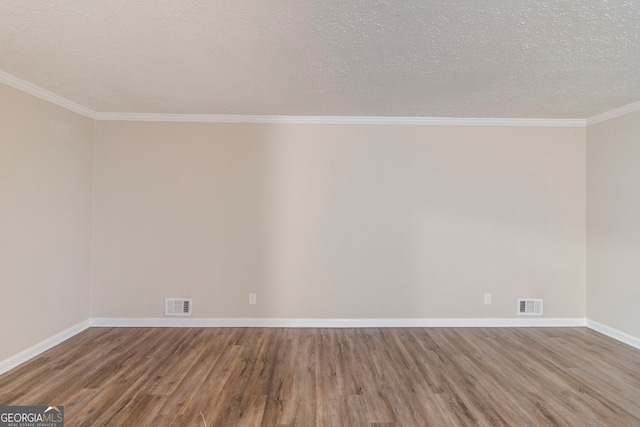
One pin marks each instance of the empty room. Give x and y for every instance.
(319, 213)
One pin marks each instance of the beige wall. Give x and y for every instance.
(613, 226)
(338, 221)
(322, 221)
(46, 173)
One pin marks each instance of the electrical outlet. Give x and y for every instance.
(487, 298)
(252, 298)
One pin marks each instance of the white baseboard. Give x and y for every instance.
(333, 323)
(162, 322)
(614, 333)
(41, 347)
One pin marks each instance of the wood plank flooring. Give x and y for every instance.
(334, 377)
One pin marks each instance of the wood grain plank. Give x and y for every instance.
(334, 377)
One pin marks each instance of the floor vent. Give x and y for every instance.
(177, 307)
(531, 307)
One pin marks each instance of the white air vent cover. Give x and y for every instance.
(177, 307)
(531, 307)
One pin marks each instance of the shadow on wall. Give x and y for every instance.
(337, 221)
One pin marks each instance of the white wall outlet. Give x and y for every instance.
(487, 298)
(252, 298)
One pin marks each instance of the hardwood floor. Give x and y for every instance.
(334, 377)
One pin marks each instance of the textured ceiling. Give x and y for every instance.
(412, 58)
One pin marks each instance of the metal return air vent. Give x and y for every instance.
(530, 307)
(177, 307)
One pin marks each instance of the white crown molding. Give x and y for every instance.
(41, 347)
(334, 323)
(612, 114)
(44, 94)
(338, 120)
(614, 333)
